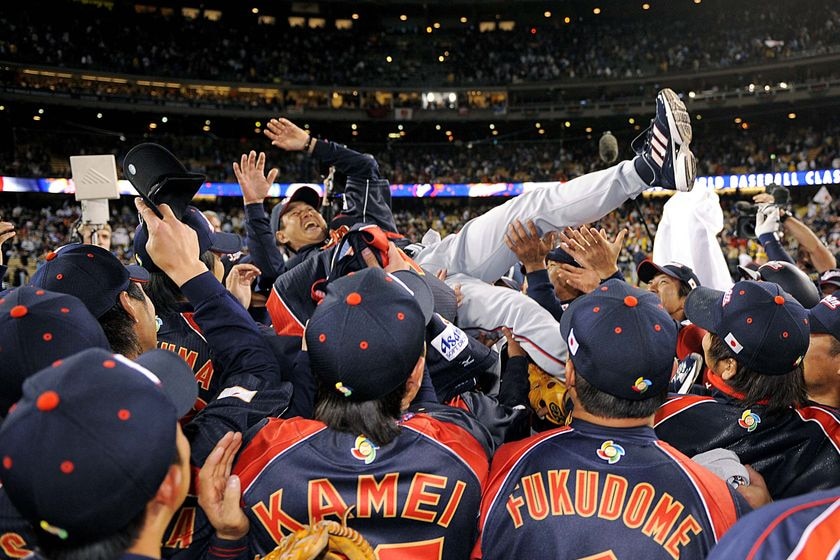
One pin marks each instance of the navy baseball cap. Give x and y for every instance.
(621, 340)
(648, 270)
(303, 193)
(38, 327)
(787, 275)
(830, 276)
(766, 328)
(91, 440)
(208, 240)
(825, 317)
(366, 335)
(159, 177)
(88, 272)
(558, 254)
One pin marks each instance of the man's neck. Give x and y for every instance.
(581, 414)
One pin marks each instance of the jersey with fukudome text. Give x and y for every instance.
(588, 491)
(805, 527)
(416, 497)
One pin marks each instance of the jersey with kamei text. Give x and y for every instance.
(416, 497)
(588, 491)
(806, 527)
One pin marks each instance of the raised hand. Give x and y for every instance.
(592, 249)
(239, 281)
(250, 173)
(286, 135)
(527, 245)
(219, 493)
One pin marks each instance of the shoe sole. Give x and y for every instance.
(679, 126)
(679, 122)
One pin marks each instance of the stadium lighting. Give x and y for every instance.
(588, 129)
(449, 133)
(437, 127)
(697, 1)
(441, 59)
(691, 94)
(463, 19)
(258, 124)
(537, 125)
(353, 126)
(388, 59)
(699, 117)
(166, 120)
(596, 11)
(542, 131)
(547, 14)
(399, 127)
(646, 6)
(207, 122)
(567, 124)
(255, 10)
(355, 16)
(738, 120)
(436, 25)
(40, 111)
(492, 126)
(429, 29)
(631, 120)
(36, 118)
(567, 19)
(453, 97)
(791, 116)
(403, 17)
(98, 115)
(152, 125)
(783, 85)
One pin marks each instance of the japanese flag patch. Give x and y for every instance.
(573, 342)
(733, 343)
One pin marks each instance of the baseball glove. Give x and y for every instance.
(326, 540)
(547, 395)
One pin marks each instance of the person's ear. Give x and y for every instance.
(728, 368)
(128, 304)
(415, 379)
(570, 374)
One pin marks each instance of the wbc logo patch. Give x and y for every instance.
(610, 452)
(364, 450)
(733, 343)
(749, 420)
(641, 385)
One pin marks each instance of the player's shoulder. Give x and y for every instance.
(677, 404)
(452, 438)
(808, 524)
(825, 417)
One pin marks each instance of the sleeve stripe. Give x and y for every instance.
(820, 538)
(827, 422)
(781, 518)
(677, 405)
(282, 319)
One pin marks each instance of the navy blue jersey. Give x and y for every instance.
(416, 497)
(805, 527)
(601, 493)
(17, 538)
(180, 333)
(796, 450)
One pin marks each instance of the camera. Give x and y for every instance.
(745, 225)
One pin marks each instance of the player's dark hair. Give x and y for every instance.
(602, 404)
(683, 290)
(375, 419)
(779, 391)
(165, 294)
(119, 325)
(112, 547)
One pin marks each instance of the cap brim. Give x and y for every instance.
(419, 289)
(175, 375)
(703, 308)
(748, 273)
(303, 194)
(648, 270)
(817, 326)
(138, 274)
(225, 243)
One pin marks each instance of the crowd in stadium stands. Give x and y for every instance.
(795, 147)
(245, 51)
(49, 226)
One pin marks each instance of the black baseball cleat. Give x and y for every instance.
(664, 157)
